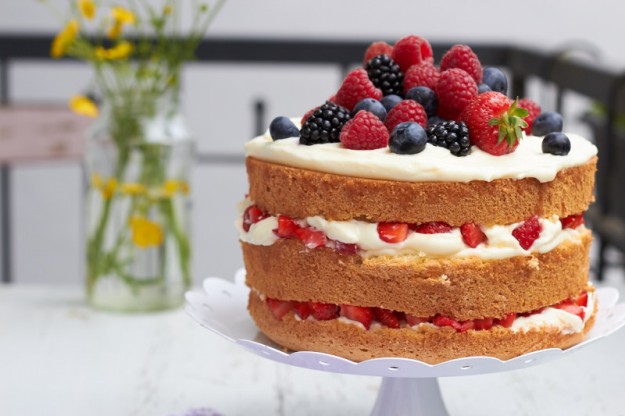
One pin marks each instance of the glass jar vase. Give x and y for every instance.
(138, 160)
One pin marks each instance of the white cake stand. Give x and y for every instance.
(409, 387)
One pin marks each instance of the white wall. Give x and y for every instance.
(46, 201)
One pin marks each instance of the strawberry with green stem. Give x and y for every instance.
(495, 123)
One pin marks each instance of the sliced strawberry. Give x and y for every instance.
(483, 324)
(572, 221)
(346, 249)
(252, 215)
(528, 232)
(434, 227)
(387, 317)
(279, 308)
(582, 299)
(311, 237)
(358, 313)
(415, 320)
(440, 320)
(466, 325)
(472, 234)
(533, 312)
(507, 320)
(286, 227)
(323, 311)
(302, 309)
(393, 232)
(571, 308)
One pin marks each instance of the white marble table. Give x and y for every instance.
(58, 357)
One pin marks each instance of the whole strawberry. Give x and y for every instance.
(533, 110)
(406, 110)
(455, 89)
(495, 123)
(375, 49)
(356, 86)
(364, 131)
(411, 50)
(422, 75)
(463, 57)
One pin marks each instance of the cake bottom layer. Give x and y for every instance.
(429, 344)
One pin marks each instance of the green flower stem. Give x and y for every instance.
(184, 247)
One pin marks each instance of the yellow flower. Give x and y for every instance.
(83, 106)
(96, 181)
(64, 39)
(170, 187)
(184, 188)
(133, 188)
(109, 188)
(123, 15)
(167, 10)
(120, 51)
(87, 8)
(115, 30)
(145, 233)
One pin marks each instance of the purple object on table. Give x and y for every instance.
(202, 411)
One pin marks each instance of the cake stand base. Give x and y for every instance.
(409, 396)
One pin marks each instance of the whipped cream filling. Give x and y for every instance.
(500, 241)
(432, 164)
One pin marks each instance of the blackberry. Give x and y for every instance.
(386, 75)
(324, 124)
(450, 135)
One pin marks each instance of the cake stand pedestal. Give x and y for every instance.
(409, 387)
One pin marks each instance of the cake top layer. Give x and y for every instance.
(432, 164)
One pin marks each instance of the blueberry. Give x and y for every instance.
(483, 88)
(434, 120)
(371, 105)
(547, 122)
(282, 128)
(408, 138)
(557, 144)
(495, 79)
(390, 101)
(426, 97)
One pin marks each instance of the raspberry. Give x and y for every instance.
(411, 50)
(461, 56)
(407, 110)
(375, 49)
(455, 89)
(364, 132)
(356, 86)
(533, 109)
(425, 75)
(528, 232)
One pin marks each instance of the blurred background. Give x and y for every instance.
(222, 101)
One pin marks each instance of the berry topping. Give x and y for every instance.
(571, 307)
(557, 144)
(411, 50)
(424, 75)
(311, 237)
(282, 128)
(324, 125)
(434, 120)
(572, 221)
(440, 320)
(385, 74)
(426, 97)
(346, 249)
(528, 232)
(415, 320)
(358, 313)
(308, 114)
(302, 309)
(252, 215)
(461, 56)
(408, 138)
(547, 122)
(390, 101)
(375, 49)
(450, 135)
(279, 308)
(356, 86)
(533, 110)
(407, 110)
(472, 235)
(495, 79)
(507, 320)
(287, 228)
(482, 88)
(434, 227)
(455, 89)
(388, 318)
(364, 132)
(495, 123)
(582, 299)
(323, 311)
(483, 324)
(393, 232)
(373, 106)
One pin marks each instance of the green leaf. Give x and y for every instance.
(494, 121)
